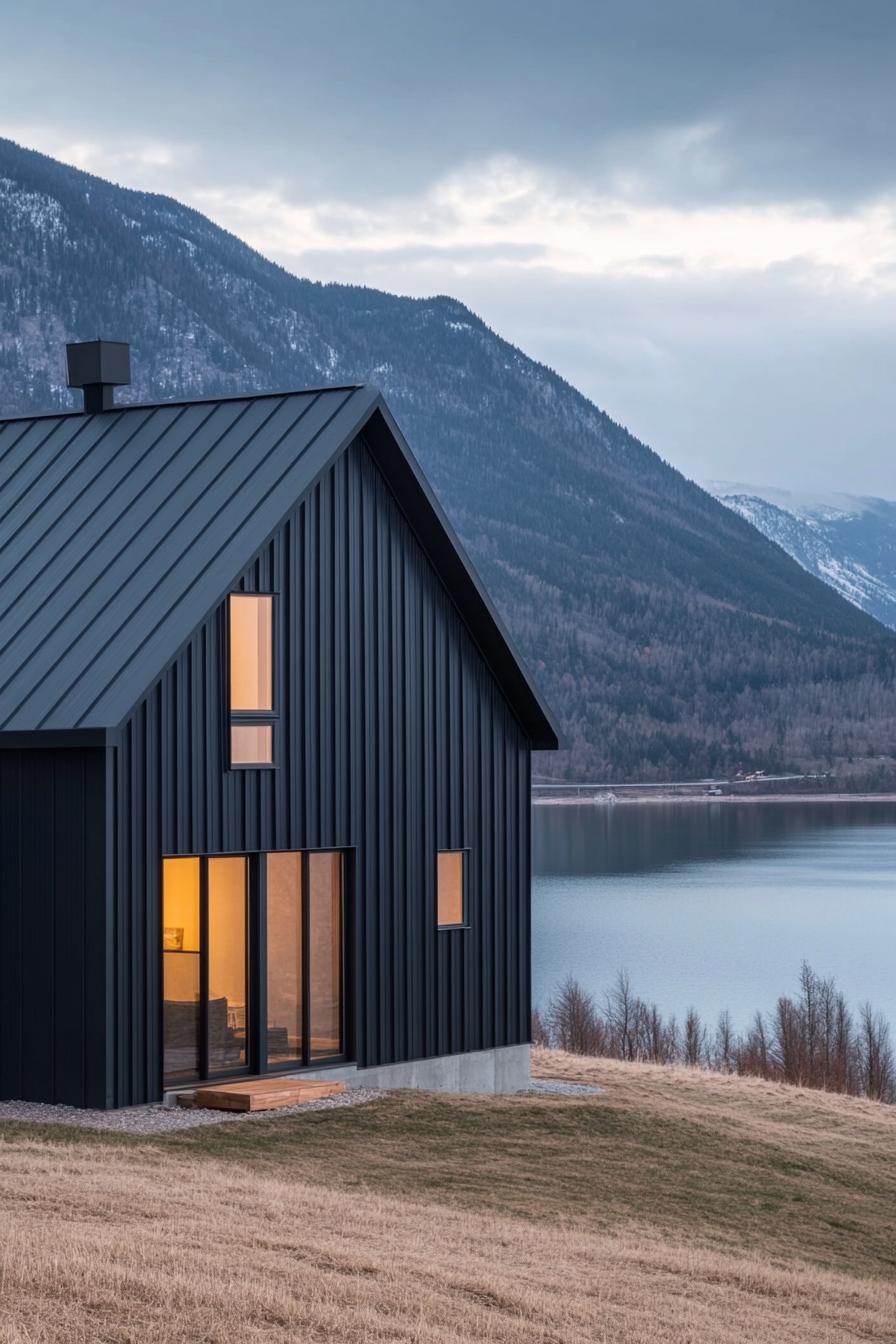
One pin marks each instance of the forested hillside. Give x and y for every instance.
(670, 636)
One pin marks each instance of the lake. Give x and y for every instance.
(715, 905)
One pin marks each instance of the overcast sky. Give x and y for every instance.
(686, 207)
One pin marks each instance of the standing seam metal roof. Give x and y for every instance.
(119, 532)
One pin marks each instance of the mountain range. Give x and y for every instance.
(849, 541)
(671, 637)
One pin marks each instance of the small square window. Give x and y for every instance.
(450, 889)
(251, 744)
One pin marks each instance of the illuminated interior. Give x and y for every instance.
(227, 969)
(450, 888)
(325, 962)
(180, 967)
(251, 678)
(251, 652)
(284, 947)
(251, 744)
(209, 1018)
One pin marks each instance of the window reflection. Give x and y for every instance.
(325, 961)
(226, 1013)
(284, 948)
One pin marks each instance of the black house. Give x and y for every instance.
(264, 756)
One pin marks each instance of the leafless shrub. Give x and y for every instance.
(724, 1053)
(573, 1021)
(877, 1069)
(751, 1053)
(693, 1046)
(621, 1013)
(808, 1040)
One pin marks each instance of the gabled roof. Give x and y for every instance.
(121, 531)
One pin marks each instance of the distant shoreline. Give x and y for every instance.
(627, 799)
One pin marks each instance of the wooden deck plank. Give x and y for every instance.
(261, 1094)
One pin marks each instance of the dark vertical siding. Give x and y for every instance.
(53, 1019)
(394, 741)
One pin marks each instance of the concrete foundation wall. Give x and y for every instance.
(505, 1069)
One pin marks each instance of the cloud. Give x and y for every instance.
(744, 340)
(741, 339)
(146, 162)
(505, 212)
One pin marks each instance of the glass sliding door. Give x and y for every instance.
(325, 954)
(219, 1017)
(285, 980)
(205, 979)
(181, 975)
(227, 1015)
(304, 958)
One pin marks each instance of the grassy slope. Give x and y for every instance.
(674, 1207)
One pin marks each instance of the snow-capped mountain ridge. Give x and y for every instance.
(848, 541)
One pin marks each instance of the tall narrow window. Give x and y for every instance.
(251, 679)
(450, 895)
(226, 1008)
(180, 968)
(325, 953)
(285, 1025)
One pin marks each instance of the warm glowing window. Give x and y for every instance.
(285, 1029)
(206, 1016)
(251, 744)
(251, 652)
(226, 961)
(251, 679)
(180, 968)
(325, 953)
(450, 888)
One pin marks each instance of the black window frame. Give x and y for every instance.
(203, 1073)
(464, 851)
(257, 1065)
(346, 884)
(253, 718)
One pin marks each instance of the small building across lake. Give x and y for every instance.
(264, 756)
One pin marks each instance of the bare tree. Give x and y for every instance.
(878, 1069)
(660, 1045)
(725, 1044)
(573, 1021)
(620, 1015)
(752, 1054)
(786, 1055)
(809, 1040)
(694, 1043)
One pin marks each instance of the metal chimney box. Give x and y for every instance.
(98, 367)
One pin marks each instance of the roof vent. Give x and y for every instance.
(99, 367)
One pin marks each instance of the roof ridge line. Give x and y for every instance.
(183, 401)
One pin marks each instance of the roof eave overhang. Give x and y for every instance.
(19, 739)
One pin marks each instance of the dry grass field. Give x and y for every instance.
(676, 1207)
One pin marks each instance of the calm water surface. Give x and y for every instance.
(716, 904)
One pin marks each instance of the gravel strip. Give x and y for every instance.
(168, 1119)
(172, 1119)
(549, 1086)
